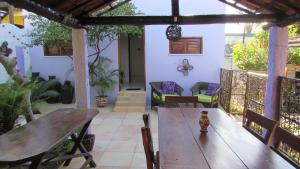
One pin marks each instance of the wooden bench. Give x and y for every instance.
(35, 140)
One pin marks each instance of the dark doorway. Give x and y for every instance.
(132, 62)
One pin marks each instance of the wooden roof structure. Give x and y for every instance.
(78, 13)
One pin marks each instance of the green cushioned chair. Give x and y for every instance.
(157, 97)
(207, 93)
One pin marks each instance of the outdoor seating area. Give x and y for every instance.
(135, 84)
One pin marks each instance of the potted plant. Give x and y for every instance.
(103, 79)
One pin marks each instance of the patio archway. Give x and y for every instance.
(76, 14)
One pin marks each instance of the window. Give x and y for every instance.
(186, 46)
(58, 50)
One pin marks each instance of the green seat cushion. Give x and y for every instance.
(204, 98)
(156, 97)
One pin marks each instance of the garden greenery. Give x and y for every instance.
(254, 54)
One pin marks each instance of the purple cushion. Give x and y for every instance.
(211, 89)
(168, 87)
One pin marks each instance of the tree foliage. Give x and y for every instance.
(254, 54)
(52, 33)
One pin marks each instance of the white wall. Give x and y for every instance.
(161, 66)
(15, 37)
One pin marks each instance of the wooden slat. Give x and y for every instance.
(177, 147)
(43, 134)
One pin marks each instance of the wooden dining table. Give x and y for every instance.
(37, 139)
(226, 145)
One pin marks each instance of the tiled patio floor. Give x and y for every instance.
(118, 143)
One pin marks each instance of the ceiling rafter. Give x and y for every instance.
(113, 7)
(93, 7)
(45, 12)
(235, 5)
(290, 5)
(266, 6)
(182, 20)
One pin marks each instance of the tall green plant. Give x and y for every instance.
(103, 78)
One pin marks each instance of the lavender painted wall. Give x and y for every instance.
(59, 65)
(160, 65)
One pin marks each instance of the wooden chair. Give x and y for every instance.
(148, 145)
(207, 93)
(157, 97)
(290, 141)
(181, 99)
(263, 122)
(146, 119)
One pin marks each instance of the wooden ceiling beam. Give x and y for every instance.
(91, 7)
(175, 8)
(265, 6)
(290, 5)
(45, 12)
(237, 7)
(182, 20)
(65, 5)
(114, 7)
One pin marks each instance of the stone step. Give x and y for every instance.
(130, 101)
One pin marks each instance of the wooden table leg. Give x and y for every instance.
(77, 145)
(35, 163)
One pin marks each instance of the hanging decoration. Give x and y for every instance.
(173, 32)
(185, 67)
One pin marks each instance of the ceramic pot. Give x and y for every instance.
(35, 76)
(67, 93)
(101, 101)
(57, 87)
(204, 121)
(88, 142)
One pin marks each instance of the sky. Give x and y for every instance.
(233, 28)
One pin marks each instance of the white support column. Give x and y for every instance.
(81, 70)
(278, 50)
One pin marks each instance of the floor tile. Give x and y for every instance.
(115, 159)
(139, 160)
(122, 146)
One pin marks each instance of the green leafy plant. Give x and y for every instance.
(11, 104)
(40, 92)
(103, 78)
(254, 54)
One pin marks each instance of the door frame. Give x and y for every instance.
(120, 56)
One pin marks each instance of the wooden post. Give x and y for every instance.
(278, 50)
(11, 14)
(80, 58)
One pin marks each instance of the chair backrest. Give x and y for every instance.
(264, 124)
(181, 99)
(148, 147)
(146, 119)
(285, 143)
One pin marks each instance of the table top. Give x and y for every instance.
(43, 134)
(226, 145)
